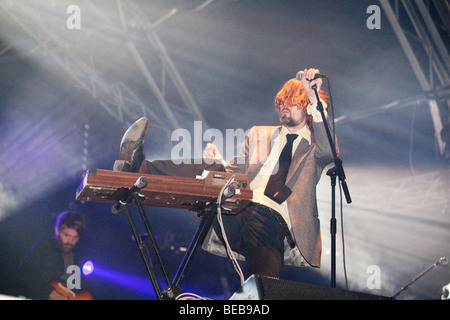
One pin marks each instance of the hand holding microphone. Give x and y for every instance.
(301, 73)
(309, 78)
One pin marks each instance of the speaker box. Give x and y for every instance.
(266, 288)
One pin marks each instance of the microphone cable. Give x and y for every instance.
(222, 228)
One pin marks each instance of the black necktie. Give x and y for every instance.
(276, 188)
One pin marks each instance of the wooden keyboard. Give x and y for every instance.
(165, 191)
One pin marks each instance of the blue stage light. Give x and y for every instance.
(88, 268)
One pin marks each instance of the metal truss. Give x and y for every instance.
(128, 9)
(114, 96)
(413, 23)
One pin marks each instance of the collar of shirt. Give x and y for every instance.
(302, 133)
(278, 145)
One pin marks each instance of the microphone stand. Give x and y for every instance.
(442, 260)
(337, 171)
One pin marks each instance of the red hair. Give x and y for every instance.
(293, 94)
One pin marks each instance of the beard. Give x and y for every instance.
(290, 117)
(288, 121)
(64, 247)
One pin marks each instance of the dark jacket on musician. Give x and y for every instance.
(42, 265)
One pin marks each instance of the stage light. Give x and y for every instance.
(88, 268)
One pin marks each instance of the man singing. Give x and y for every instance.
(283, 164)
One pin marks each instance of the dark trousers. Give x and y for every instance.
(254, 232)
(258, 236)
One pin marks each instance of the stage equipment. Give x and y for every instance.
(266, 288)
(194, 194)
(442, 260)
(336, 171)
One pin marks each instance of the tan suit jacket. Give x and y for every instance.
(306, 169)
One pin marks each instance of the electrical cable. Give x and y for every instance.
(342, 236)
(190, 296)
(222, 228)
(193, 296)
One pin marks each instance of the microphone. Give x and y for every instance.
(230, 190)
(140, 184)
(316, 76)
